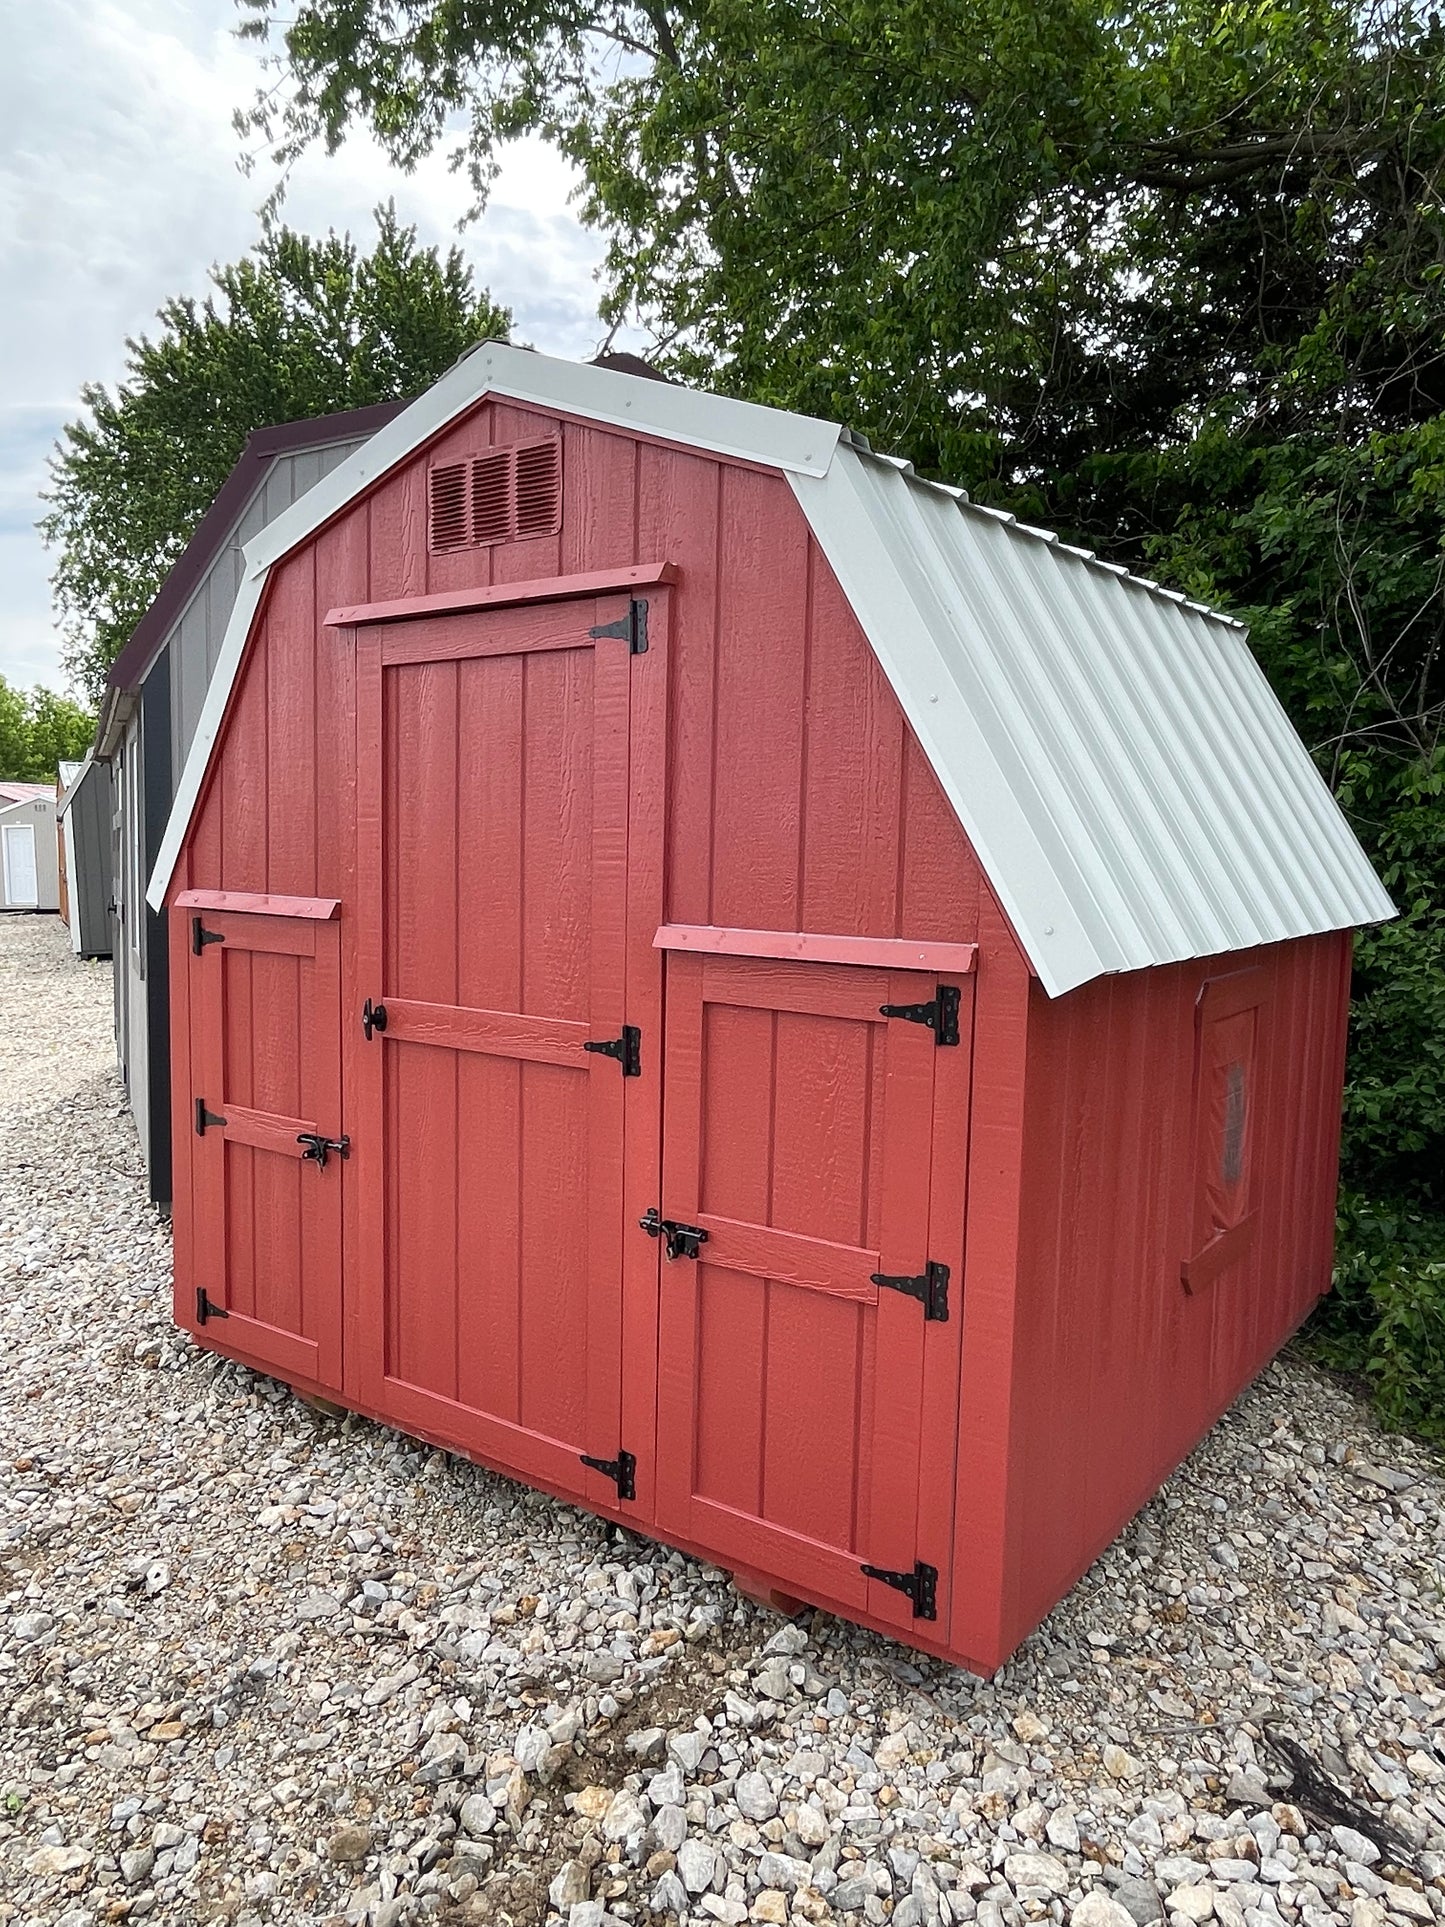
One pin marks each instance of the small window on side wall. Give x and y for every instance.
(1223, 1208)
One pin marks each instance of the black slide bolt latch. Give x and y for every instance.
(318, 1148)
(683, 1240)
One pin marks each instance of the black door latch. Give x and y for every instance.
(683, 1240)
(318, 1148)
(373, 1017)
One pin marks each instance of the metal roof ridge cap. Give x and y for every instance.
(804, 444)
(659, 408)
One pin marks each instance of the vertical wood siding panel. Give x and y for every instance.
(940, 886)
(291, 645)
(984, 1603)
(398, 534)
(733, 1152)
(760, 703)
(1156, 1366)
(678, 511)
(342, 580)
(244, 793)
(853, 772)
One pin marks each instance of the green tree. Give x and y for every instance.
(1171, 279)
(299, 327)
(39, 730)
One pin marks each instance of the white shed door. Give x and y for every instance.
(21, 886)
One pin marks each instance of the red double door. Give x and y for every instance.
(527, 1135)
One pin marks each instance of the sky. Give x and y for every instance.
(120, 186)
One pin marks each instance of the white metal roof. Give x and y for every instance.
(1133, 788)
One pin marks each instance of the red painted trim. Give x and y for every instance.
(1224, 1249)
(505, 595)
(323, 909)
(883, 953)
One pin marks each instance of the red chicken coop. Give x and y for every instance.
(724, 981)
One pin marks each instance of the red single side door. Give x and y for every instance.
(263, 999)
(799, 1137)
(495, 751)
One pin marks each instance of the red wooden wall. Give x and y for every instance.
(797, 799)
(1119, 1371)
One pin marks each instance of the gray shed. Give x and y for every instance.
(85, 830)
(29, 870)
(148, 715)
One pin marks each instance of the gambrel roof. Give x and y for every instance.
(1128, 779)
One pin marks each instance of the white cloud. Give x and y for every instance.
(120, 185)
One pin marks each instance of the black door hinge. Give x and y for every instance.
(622, 1471)
(627, 1049)
(683, 1240)
(632, 628)
(373, 1017)
(930, 1288)
(940, 1015)
(921, 1586)
(205, 1309)
(205, 1117)
(318, 1148)
(201, 936)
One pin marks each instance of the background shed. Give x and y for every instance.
(819, 1010)
(29, 867)
(85, 812)
(148, 715)
(66, 775)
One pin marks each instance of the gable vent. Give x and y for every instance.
(449, 527)
(506, 495)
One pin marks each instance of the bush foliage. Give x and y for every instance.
(38, 731)
(297, 328)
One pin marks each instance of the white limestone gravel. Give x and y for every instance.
(259, 1665)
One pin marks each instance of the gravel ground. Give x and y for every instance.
(259, 1665)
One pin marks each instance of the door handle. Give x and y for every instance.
(373, 1017)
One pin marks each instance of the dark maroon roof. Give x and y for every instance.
(262, 447)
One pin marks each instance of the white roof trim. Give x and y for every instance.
(797, 443)
(72, 788)
(1134, 791)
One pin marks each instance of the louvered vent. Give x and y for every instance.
(538, 491)
(449, 527)
(506, 495)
